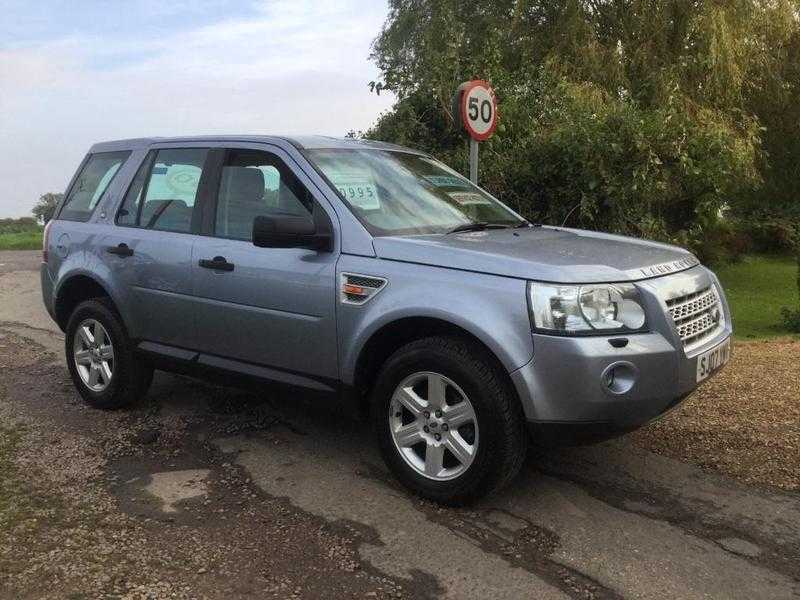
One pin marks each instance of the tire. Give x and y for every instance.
(129, 378)
(497, 437)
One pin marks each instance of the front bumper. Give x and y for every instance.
(565, 381)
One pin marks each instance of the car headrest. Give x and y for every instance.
(242, 184)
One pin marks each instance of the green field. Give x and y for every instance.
(27, 240)
(757, 288)
(20, 234)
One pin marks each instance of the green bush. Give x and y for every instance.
(723, 242)
(769, 235)
(29, 240)
(21, 225)
(791, 319)
(570, 153)
(20, 234)
(669, 120)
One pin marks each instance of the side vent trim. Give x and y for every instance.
(359, 289)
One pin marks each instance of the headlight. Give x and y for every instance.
(592, 308)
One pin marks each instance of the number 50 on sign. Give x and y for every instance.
(478, 110)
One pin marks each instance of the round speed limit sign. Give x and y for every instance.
(479, 110)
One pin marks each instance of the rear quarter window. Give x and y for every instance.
(91, 183)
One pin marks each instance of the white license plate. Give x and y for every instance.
(714, 359)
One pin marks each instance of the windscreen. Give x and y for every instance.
(399, 193)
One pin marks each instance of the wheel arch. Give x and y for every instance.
(76, 288)
(391, 336)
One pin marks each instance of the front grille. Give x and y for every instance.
(697, 316)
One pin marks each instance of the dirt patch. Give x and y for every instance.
(83, 496)
(744, 423)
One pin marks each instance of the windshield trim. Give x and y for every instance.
(416, 231)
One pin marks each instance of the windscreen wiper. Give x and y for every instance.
(477, 226)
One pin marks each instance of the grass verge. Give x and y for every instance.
(27, 240)
(757, 288)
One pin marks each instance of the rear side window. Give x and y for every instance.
(163, 194)
(92, 182)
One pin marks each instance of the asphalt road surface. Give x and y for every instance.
(607, 521)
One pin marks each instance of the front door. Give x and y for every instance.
(273, 307)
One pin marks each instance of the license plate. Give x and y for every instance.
(714, 359)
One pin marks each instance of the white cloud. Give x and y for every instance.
(297, 67)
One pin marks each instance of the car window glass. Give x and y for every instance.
(168, 181)
(91, 184)
(400, 193)
(129, 210)
(252, 184)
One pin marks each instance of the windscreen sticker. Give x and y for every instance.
(361, 194)
(446, 181)
(468, 198)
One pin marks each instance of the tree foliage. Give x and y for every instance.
(633, 116)
(45, 207)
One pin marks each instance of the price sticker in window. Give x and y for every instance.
(361, 194)
(445, 181)
(468, 198)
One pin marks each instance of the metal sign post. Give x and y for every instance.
(475, 109)
(473, 161)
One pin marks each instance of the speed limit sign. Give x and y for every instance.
(475, 109)
(478, 110)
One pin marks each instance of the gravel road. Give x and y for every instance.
(203, 491)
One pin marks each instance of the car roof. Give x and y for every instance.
(302, 142)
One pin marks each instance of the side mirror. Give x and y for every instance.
(283, 230)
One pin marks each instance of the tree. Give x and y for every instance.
(45, 207)
(645, 117)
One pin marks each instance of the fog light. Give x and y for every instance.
(619, 378)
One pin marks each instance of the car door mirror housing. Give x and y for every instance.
(284, 230)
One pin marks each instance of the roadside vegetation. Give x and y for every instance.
(20, 234)
(758, 288)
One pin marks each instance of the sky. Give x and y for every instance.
(75, 72)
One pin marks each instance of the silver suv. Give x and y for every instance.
(375, 273)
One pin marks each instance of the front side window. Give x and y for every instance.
(164, 192)
(399, 193)
(255, 183)
(91, 184)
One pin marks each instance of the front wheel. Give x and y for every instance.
(448, 423)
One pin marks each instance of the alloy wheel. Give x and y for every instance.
(93, 353)
(433, 425)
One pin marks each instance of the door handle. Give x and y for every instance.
(120, 250)
(218, 263)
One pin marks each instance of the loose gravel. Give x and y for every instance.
(744, 423)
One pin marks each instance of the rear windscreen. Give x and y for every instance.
(91, 183)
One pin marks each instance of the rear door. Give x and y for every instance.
(150, 249)
(273, 307)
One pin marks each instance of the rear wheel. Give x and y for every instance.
(100, 357)
(448, 424)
